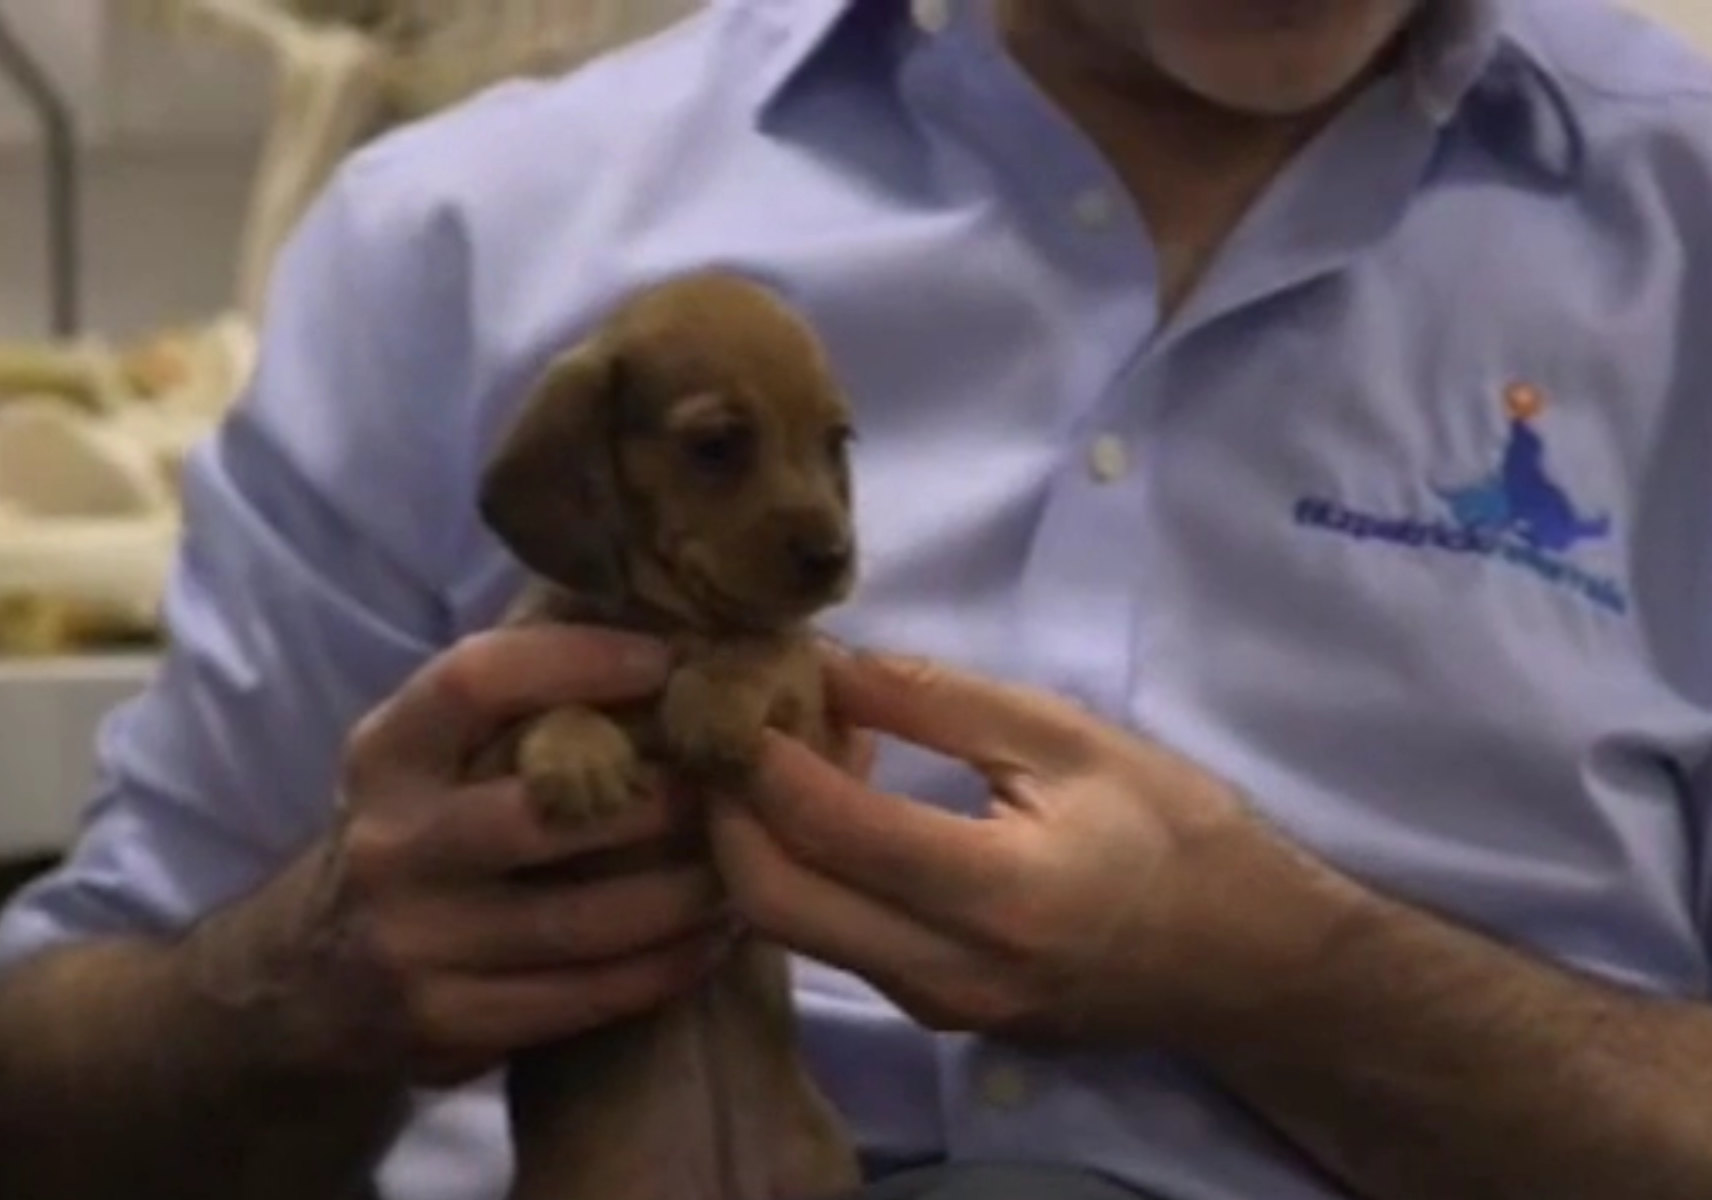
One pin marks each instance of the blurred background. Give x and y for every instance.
(170, 114)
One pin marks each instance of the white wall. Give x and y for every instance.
(161, 213)
(160, 232)
(1692, 17)
(171, 124)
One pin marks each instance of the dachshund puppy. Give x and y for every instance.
(682, 473)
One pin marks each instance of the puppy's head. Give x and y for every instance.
(692, 455)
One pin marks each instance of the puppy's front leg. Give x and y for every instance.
(579, 765)
(715, 710)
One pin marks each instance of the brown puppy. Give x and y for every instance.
(682, 473)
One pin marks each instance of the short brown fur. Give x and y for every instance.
(682, 472)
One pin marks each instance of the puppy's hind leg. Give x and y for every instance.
(579, 765)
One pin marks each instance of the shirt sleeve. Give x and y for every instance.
(304, 589)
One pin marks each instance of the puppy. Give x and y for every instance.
(682, 473)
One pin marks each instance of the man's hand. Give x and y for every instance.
(268, 1052)
(444, 925)
(1090, 902)
(1116, 895)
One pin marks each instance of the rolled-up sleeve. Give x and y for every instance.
(306, 585)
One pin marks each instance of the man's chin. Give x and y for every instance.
(1266, 80)
(1241, 93)
(1282, 70)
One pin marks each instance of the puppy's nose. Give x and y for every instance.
(819, 560)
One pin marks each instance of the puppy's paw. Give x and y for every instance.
(580, 768)
(713, 734)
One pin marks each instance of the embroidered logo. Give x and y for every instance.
(1515, 513)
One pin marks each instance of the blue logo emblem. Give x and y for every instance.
(1516, 513)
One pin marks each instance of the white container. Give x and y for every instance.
(50, 710)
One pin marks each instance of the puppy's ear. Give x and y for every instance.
(551, 492)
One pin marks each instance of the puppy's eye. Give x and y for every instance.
(720, 448)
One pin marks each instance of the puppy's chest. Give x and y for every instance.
(720, 693)
(781, 670)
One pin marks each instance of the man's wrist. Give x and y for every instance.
(284, 993)
(1271, 921)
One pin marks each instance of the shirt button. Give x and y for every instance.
(1108, 459)
(1004, 1085)
(932, 16)
(1094, 210)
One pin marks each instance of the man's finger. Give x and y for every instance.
(938, 866)
(465, 697)
(854, 749)
(503, 929)
(816, 915)
(493, 828)
(493, 1015)
(994, 727)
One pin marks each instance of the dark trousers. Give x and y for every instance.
(994, 1181)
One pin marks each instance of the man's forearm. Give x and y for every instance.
(1419, 1061)
(119, 1078)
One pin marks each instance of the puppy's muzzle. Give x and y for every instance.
(819, 561)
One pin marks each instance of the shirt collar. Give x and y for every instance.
(1450, 52)
(804, 33)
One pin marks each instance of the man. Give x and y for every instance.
(1282, 435)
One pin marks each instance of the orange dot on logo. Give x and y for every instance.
(1523, 401)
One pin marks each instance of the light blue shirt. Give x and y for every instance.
(1404, 523)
